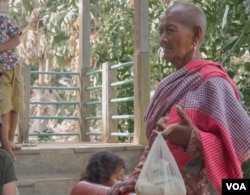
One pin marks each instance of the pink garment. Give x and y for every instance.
(87, 188)
(210, 98)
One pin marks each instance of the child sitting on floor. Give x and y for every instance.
(103, 170)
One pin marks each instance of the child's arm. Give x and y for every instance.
(11, 44)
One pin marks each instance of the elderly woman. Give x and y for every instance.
(196, 109)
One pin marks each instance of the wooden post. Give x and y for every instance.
(23, 125)
(83, 68)
(108, 108)
(141, 70)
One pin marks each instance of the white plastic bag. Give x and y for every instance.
(160, 174)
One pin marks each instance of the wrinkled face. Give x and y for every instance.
(116, 177)
(176, 39)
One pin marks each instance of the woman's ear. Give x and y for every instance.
(197, 34)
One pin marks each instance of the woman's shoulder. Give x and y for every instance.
(212, 94)
(219, 85)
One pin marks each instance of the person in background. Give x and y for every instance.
(11, 82)
(7, 175)
(104, 169)
(197, 109)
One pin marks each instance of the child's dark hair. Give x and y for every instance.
(101, 166)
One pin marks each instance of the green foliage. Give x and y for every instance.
(112, 21)
(246, 169)
(54, 20)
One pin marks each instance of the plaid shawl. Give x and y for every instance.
(210, 98)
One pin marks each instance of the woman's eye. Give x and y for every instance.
(170, 30)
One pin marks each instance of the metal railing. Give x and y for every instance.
(45, 103)
(110, 128)
(96, 89)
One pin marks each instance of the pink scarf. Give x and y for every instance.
(221, 146)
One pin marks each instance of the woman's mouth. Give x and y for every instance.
(166, 49)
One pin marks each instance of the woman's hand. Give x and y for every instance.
(178, 133)
(160, 127)
(121, 188)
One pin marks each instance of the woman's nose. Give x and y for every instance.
(163, 41)
(163, 38)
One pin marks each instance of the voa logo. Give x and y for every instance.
(236, 186)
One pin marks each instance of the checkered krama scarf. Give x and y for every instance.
(236, 138)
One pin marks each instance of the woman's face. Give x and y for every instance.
(176, 39)
(116, 177)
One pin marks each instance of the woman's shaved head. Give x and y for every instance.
(190, 15)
